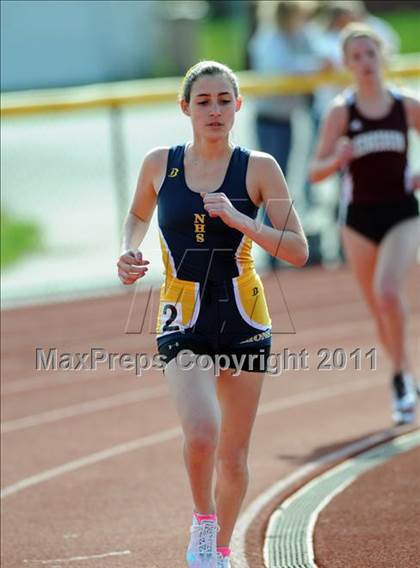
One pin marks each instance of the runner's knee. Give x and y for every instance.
(387, 296)
(202, 437)
(234, 465)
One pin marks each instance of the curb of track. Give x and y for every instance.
(249, 535)
(289, 536)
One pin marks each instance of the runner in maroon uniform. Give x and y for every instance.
(365, 134)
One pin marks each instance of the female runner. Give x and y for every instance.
(212, 303)
(365, 133)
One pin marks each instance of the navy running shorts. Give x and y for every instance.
(228, 317)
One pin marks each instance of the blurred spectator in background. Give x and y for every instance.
(283, 45)
(337, 14)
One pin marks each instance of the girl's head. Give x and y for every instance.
(207, 69)
(362, 52)
(292, 15)
(210, 97)
(341, 13)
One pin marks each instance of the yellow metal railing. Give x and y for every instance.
(146, 91)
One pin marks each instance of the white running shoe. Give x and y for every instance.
(404, 399)
(201, 551)
(223, 561)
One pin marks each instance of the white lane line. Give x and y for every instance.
(138, 396)
(83, 408)
(316, 512)
(91, 459)
(319, 394)
(80, 558)
(53, 379)
(299, 338)
(163, 436)
(256, 506)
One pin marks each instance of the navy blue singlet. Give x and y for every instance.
(195, 246)
(212, 299)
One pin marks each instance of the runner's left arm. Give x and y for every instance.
(285, 239)
(412, 107)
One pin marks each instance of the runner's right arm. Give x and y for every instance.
(131, 265)
(334, 150)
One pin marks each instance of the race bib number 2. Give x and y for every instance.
(171, 317)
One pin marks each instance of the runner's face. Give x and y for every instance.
(363, 58)
(212, 106)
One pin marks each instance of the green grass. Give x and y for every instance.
(224, 40)
(17, 238)
(407, 26)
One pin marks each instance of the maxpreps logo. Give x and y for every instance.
(199, 226)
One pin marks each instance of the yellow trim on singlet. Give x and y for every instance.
(179, 303)
(250, 299)
(179, 299)
(243, 256)
(167, 259)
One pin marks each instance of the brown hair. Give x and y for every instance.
(211, 68)
(287, 9)
(359, 31)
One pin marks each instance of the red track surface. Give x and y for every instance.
(139, 500)
(374, 523)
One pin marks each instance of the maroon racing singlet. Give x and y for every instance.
(378, 173)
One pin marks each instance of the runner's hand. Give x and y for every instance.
(218, 205)
(131, 266)
(415, 182)
(344, 151)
